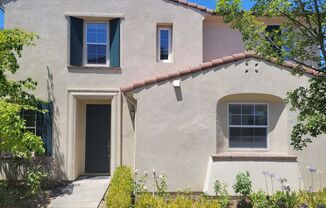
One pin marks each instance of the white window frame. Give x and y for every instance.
(248, 126)
(85, 58)
(159, 29)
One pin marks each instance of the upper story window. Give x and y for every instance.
(97, 45)
(273, 31)
(248, 126)
(94, 43)
(164, 43)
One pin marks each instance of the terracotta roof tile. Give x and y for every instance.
(207, 65)
(194, 6)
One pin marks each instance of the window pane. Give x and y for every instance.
(261, 120)
(97, 33)
(248, 109)
(247, 120)
(261, 110)
(235, 120)
(235, 142)
(235, 109)
(235, 132)
(164, 44)
(96, 54)
(30, 118)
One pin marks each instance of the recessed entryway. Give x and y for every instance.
(98, 130)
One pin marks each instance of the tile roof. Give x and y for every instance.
(194, 6)
(205, 66)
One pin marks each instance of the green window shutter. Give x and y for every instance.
(76, 41)
(115, 42)
(44, 126)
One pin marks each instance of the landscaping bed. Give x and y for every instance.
(128, 189)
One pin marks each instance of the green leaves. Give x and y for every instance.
(310, 104)
(15, 97)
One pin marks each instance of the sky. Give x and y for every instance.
(247, 4)
(1, 18)
(209, 3)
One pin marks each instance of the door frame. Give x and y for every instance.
(75, 95)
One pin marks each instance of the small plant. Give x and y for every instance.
(259, 200)
(242, 185)
(121, 188)
(34, 178)
(285, 199)
(140, 183)
(161, 183)
(222, 194)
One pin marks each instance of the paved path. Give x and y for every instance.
(85, 192)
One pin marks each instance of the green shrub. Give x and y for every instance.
(242, 185)
(259, 200)
(310, 199)
(147, 200)
(121, 188)
(204, 202)
(285, 199)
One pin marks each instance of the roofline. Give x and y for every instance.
(208, 65)
(194, 6)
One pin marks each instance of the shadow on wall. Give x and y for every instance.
(57, 172)
(276, 108)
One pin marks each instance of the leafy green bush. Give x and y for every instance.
(243, 184)
(285, 199)
(147, 200)
(310, 199)
(259, 200)
(121, 188)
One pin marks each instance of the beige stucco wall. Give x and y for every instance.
(178, 129)
(47, 61)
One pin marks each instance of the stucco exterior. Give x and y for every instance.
(161, 127)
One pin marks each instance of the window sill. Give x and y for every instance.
(70, 67)
(254, 156)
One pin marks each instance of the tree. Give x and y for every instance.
(15, 97)
(302, 41)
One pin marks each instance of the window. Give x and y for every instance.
(164, 44)
(40, 124)
(97, 50)
(2, 17)
(273, 33)
(248, 125)
(94, 43)
(30, 118)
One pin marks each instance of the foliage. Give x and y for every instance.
(15, 96)
(140, 183)
(285, 199)
(302, 29)
(313, 199)
(161, 184)
(310, 103)
(222, 194)
(121, 188)
(180, 201)
(259, 199)
(243, 184)
(149, 201)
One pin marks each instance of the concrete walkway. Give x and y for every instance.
(85, 192)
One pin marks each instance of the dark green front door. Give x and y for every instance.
(98, 123)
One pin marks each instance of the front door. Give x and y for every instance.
(98, 130)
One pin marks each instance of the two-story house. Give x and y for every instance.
(159, 84)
